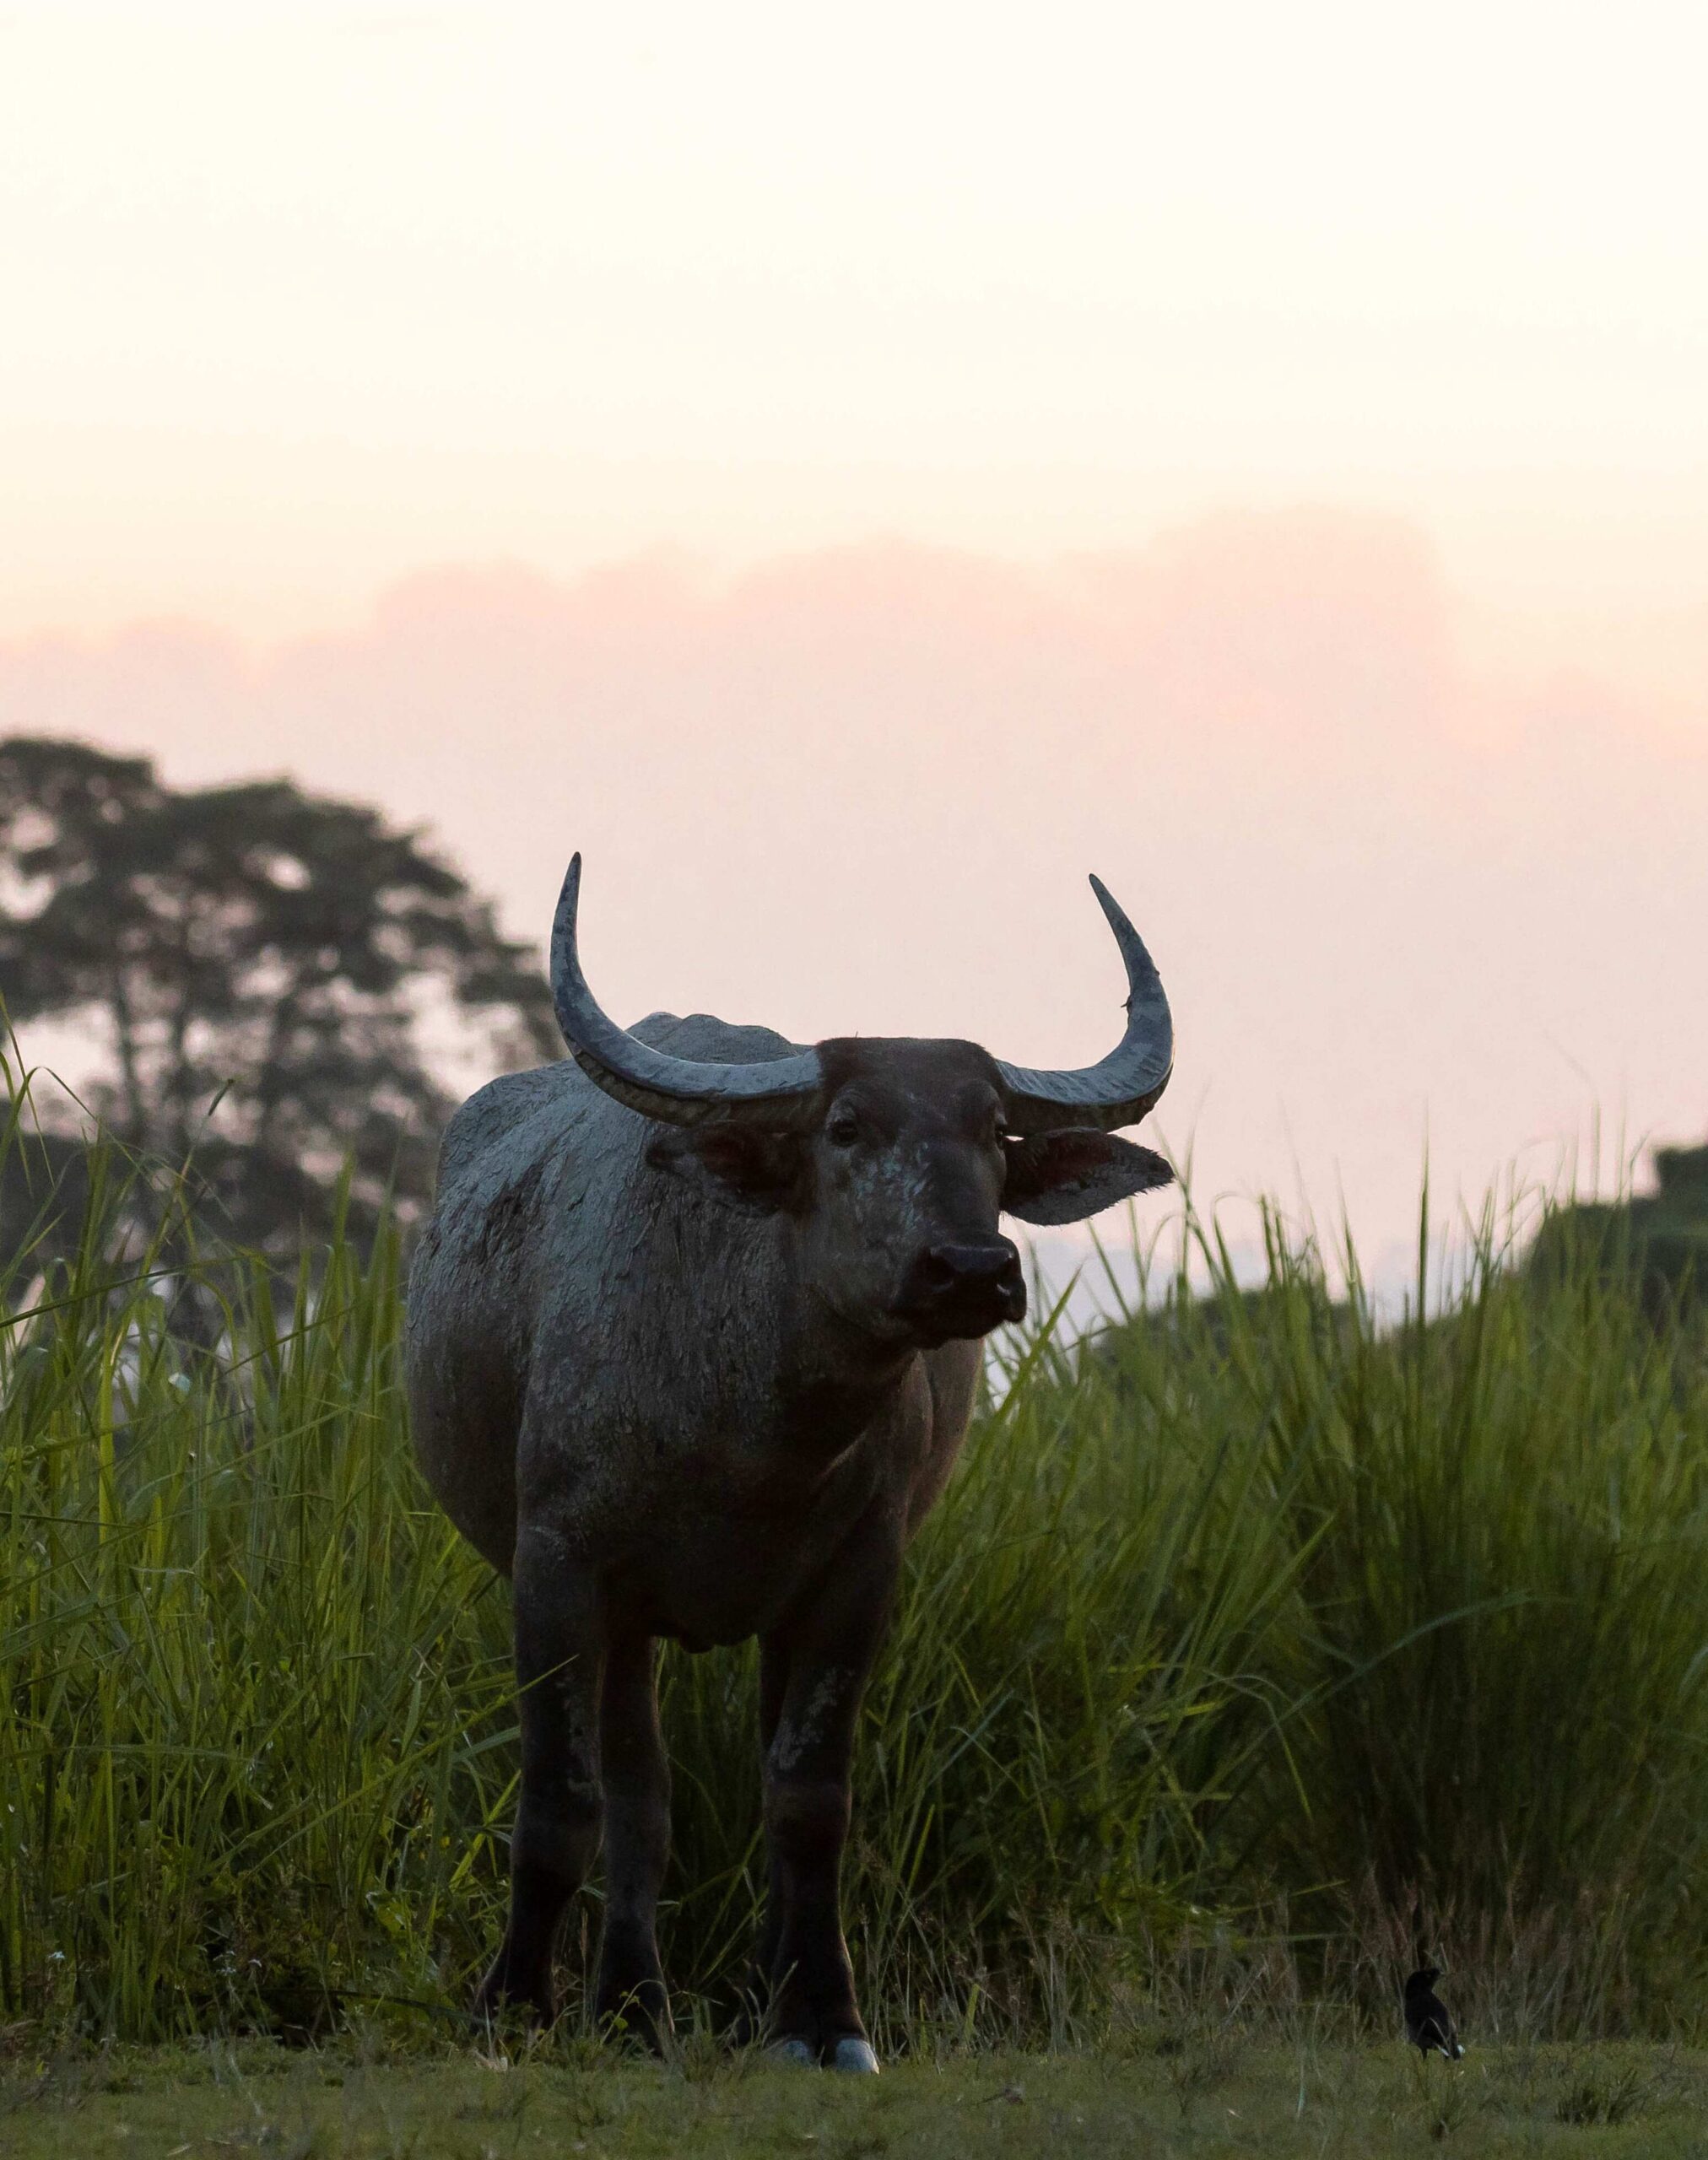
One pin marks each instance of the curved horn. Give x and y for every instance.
(782, 1092)
(1121, 1088)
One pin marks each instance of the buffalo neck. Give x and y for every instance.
(835, 1379)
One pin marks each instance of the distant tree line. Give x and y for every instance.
(272, 983)
(1660, 1237)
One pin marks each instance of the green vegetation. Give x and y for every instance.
(1253, 1645)
(1161, 2092)
(1659, 1239)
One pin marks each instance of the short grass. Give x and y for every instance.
(1162, 2097)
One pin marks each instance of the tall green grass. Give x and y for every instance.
(1253, 1616)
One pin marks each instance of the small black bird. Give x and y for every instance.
(1428, 2025)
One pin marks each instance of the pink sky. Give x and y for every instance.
(1393, 896)
(671, 309)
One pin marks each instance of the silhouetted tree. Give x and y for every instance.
(278, 978)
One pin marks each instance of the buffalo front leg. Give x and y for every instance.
(559, 1661)
(631, 1994)
(831, 1644)
(754, 2002)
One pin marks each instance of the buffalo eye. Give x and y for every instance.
(843, 1129)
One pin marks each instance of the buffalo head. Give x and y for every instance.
(891, 1159)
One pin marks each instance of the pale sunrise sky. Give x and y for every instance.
(853, 471)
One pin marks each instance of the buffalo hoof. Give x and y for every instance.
(854, 2055)
(499, 2000)
(637, 2018)
(794, 2055)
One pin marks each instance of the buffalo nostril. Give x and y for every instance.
(970, 1267)
(965, 1288)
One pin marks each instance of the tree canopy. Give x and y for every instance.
(277, 982)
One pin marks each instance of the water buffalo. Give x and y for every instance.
(693, 1342)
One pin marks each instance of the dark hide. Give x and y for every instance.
(702, 1386)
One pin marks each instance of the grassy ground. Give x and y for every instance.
(1256, 1649)
(1215, 2096)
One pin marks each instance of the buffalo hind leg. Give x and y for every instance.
(560, 1658)
(631, 1996)
(830, 1644)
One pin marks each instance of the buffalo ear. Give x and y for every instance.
(1063, 1177)
(739, 1165)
